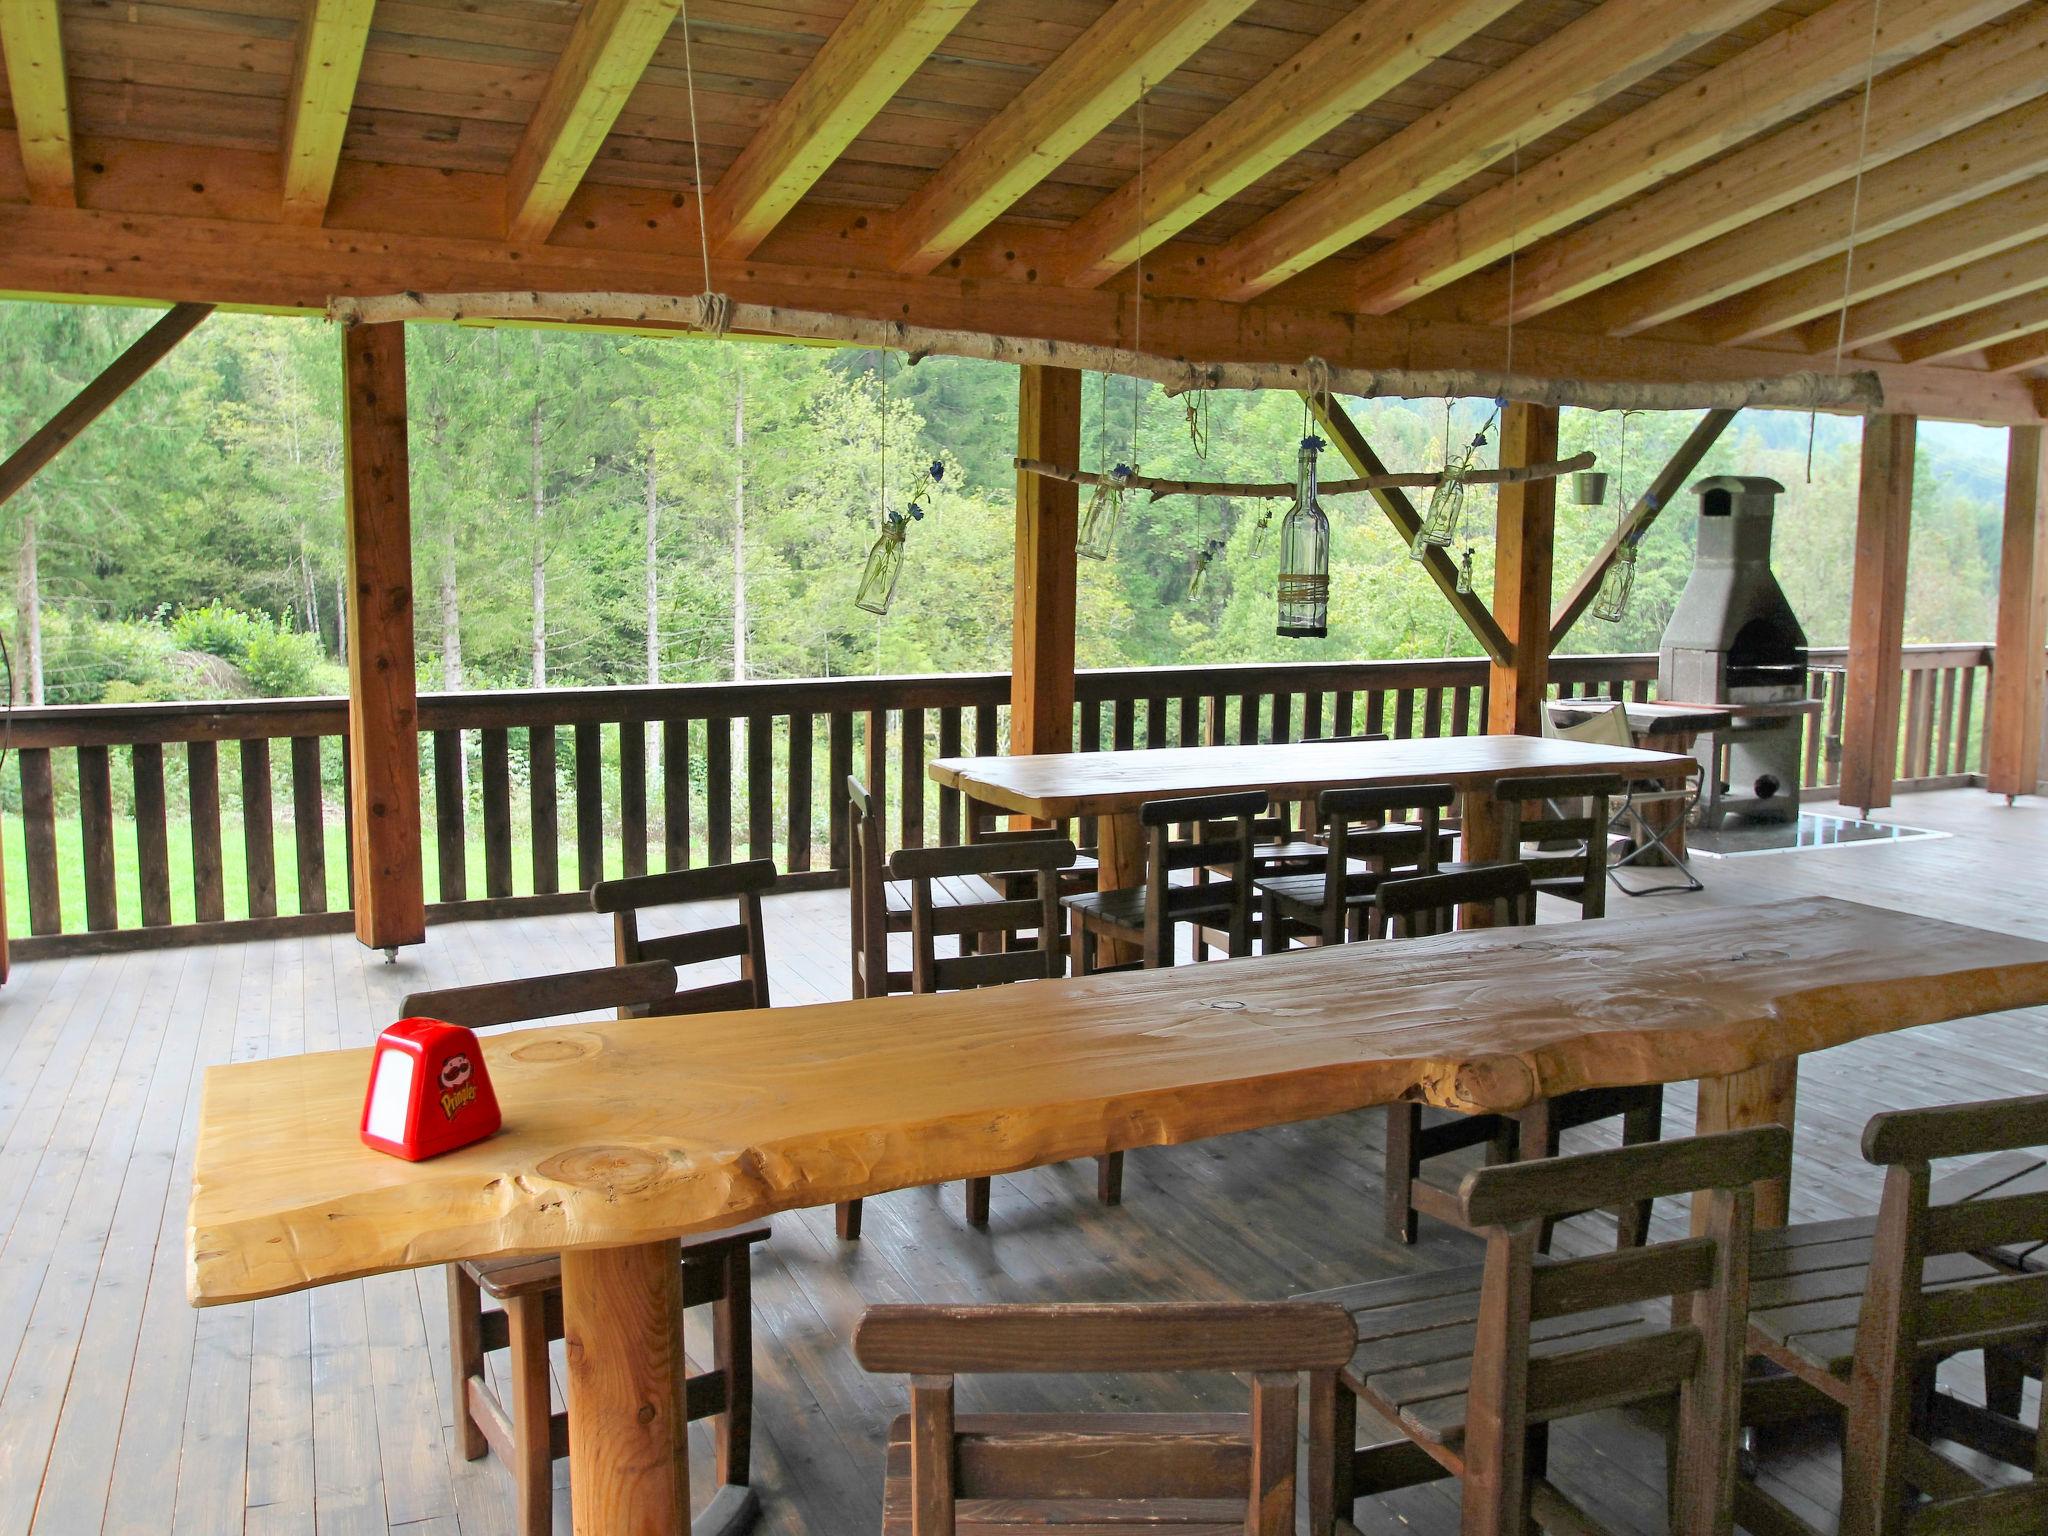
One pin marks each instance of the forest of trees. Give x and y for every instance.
(600, 508)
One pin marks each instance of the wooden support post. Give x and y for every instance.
(1525, 526)
(2012, 749)
(629, 1458)
(1877, 612)
(383, 728)
(1048, 516)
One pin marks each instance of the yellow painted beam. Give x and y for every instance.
(33, 43)
(1808, 63)
(1982, 328)
(1604, 52)
(324, 71)
(1353, 64)
(609, 50)
(1949, 295)
(1135, 45)
(853, 76)
(2022, 352)
(1911, 109)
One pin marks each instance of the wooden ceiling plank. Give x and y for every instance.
(852, 77)
(2005, 320)
(1613, 47)
(2015, 356)
(33, 42)
(1133, 46)
(323, 89)
(608, 50)
(2000, 152)
(1347, 68)
(1822, 56)
(1899, 265)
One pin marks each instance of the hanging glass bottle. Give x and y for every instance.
(1611, 602)
(1098, 523)
(885, 563)
(1305, 555)
(1465, 572)
(1199, 581)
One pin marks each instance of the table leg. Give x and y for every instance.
(1479, 841)
(1120, 853)
(1765, 1095)
(629, 1461)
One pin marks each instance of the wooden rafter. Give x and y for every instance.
(113, 381)
(1657, 495)
(1357, 452)
(852, 77)
(1602, 53)
(1979, 329)
(33, 42)
(608, 51)
(2022, 352)
(1909, 110)
(1809, 62)
(328, 59)
(1353, 64)
(1975, 286)
(1998, 153)
(1135, 45)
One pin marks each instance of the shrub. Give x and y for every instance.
(83, 659)
(219, 630)
(282, 664)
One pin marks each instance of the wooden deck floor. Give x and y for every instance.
(125, 1410)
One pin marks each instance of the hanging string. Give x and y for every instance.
(696, 158)
(1138, 275)
(1855, 215)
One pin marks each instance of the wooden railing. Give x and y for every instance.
(129, 836)
(1940, 723)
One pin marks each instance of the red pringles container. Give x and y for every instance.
(429, 1091)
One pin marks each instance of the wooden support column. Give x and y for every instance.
(1525, 528)
(1048, 515)
(1877, 612)
(2012, 749)
(383, 727)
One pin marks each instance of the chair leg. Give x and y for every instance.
(1332, 1445)
(2005, 1383)
(466, 1354)
(1538, 1135)
(977, 1202)
(732, 1355)
(1639, 1127)
(533, 1462)
(1109, 1179)
(846, 1217)
(1084, 948)
(1272, 938)
(1404, 1165)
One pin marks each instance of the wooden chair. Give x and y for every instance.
(1362, 846)
(626, 900)
(921, 869)
(1428, 905)
(526, 1435)
(1572, 808)
(1145, 915)
(1473, 1364)
(879, 906)
(1672, 808)
(1864, 1313)
(1122, 1474)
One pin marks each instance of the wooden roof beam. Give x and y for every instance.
(1909, 267)
(1822, 56)
(1132, 47)
(861, 66)
(324, 71)
(2016, 356)
(1981, 329)
(609, 50)
(1995, 154)
(1603, 53)
(1955, 288)
(1352, 65)
(33, 43)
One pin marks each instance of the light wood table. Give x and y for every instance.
(1110, 786)
(621, 1136)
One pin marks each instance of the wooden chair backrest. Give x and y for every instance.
(1274, 1342)
(1225, 833)
(1041, 858)
(1569, 807)
(1699, 1356)
(742, 939)
(1424, 904)
(627, 988)
(1354, 823)
(1903, 1325)
(867, 907)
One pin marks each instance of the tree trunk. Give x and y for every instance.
(653, 584)
(451, 615)
(341, 617)
(28, 603)
(739, 526)
(539, 561)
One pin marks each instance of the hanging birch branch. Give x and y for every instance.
(716, 314)
(1275, 490)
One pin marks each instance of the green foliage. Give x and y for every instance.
(219, 630)
(83, 660)
(281, 663)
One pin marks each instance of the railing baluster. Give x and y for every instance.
(718, 789)
(589, 764)
(1190, 720)
(1248, 719)
(632, 797)
(1343, 722)
(875, 761)
(258, 849)
(1283, 717)
(202, 780)
(1433, 712)
(450, 831)
(1312, 714)
(1123, 720)
(1966, 762)
(911, 746)
(348, 822)
(949, 798)
(96, 822)
(800, 776)
(987, 725)
(760, 786)
(1944, 723)
(675, 794)
(1461, 710)
(39, 839)
(1404, 714)
(1155, 722)
(838, 769)
(1375, 713)
(1216, 725)
(544, 810)
(495, 764)
(152, 833)
(309, 824)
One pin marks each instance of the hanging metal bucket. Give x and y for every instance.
(1589, 487)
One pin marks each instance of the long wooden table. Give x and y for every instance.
(621, 1136)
